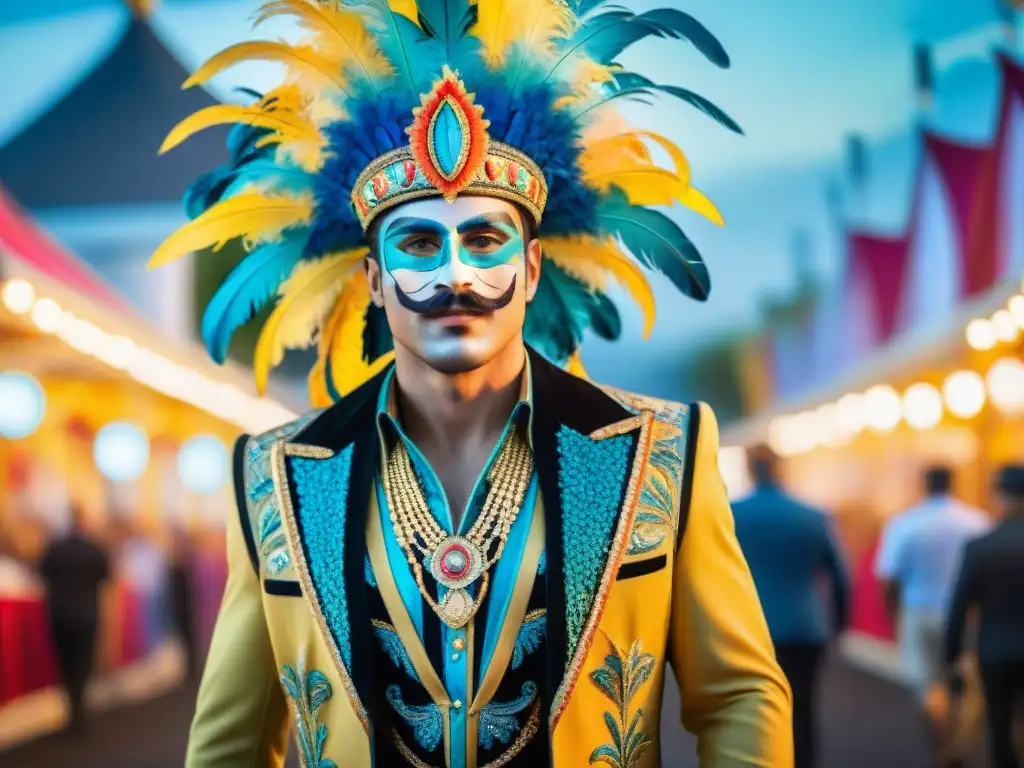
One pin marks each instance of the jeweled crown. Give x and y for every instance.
(449, 153)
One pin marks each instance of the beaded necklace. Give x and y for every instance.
(456, 561)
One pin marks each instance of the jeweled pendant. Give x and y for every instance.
(456, 563)
(457, 608)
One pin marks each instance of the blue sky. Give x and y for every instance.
(804, 74)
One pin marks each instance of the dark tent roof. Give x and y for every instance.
(98, 144)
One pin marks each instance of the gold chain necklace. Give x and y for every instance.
(456, 561)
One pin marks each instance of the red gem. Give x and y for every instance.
(410, 172)
(533, 189)
(364, 207)
(380, 185)
(513, 172)
(493, 168)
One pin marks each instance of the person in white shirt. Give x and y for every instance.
(917, 563)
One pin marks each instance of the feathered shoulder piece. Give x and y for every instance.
(391, 100)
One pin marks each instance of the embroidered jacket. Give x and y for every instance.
(640, 567)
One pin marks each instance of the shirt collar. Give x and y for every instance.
(387, 402)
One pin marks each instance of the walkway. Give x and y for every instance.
(867, 723)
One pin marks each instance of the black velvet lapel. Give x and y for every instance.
(352, 421)
(560, 398)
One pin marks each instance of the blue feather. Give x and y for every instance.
(415, 57)
(562, 310)
(247, 289)
(448, 21)
(657, 243)
(627, 83)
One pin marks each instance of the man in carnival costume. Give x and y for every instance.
(468, 556)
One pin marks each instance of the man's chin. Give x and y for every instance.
(457, 356)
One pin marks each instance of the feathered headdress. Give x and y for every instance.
(390, 100)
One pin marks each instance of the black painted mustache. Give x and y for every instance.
(446, 300)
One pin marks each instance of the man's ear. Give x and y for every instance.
(534, 257)
(373, 279)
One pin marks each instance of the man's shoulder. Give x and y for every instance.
(663, 410)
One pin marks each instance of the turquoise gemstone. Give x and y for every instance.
(447, 139)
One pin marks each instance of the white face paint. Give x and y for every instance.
(453, 279)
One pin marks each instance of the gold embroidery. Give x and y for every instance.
(618, 428)
(629, 506)
(307, 451)
(284, 498)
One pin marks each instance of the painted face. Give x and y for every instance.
(454, 279)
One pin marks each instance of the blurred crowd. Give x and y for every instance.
(953, 578)
(82, 575)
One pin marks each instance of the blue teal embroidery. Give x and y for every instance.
(498, 721)
(620, 678)
(264, 514)
(542, 564)
(424, 719)
(592, 476)
(371, 580)
(530, 636)
(321, 486)
(308, 693)
(394, 648)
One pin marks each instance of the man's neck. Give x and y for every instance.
(443, 410)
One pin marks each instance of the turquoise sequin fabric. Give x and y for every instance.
(424, 719)
(498, 721)
(591, 475)
(320, 485)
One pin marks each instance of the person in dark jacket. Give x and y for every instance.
(73, 568)
(991, 580)
(790, 550)
(183, 600)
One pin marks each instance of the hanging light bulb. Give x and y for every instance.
(964, 392)
(922, 406)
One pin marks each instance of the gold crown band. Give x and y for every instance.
(395, 178)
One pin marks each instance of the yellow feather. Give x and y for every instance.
(343, 337)
(574, 365)
(407, 8)
(305, 59)
(581, 256)
(339, 32)
(697, 201)
(306, 298)
(286, 126)
(251, 215)
(534, 24)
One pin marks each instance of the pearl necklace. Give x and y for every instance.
(456, 561)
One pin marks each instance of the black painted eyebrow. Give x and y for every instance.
(487, 220)
(408, 224)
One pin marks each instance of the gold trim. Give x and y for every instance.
(471, 722)
(308, 451)
(515, 615)
(284, 498)
(618, 428)
(396, 610)
(625, 525)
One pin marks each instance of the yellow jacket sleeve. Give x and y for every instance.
(241, 718)
(735, 697)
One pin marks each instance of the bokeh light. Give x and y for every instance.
(883, 408)
(22, 404)
(922, 406)
(203, 464)
(964, 392)
(121, 452)
(1005, 381)
(18, 296)
(981, 335)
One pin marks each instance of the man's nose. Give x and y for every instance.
(456, 274)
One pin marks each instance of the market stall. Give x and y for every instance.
(100, 413)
